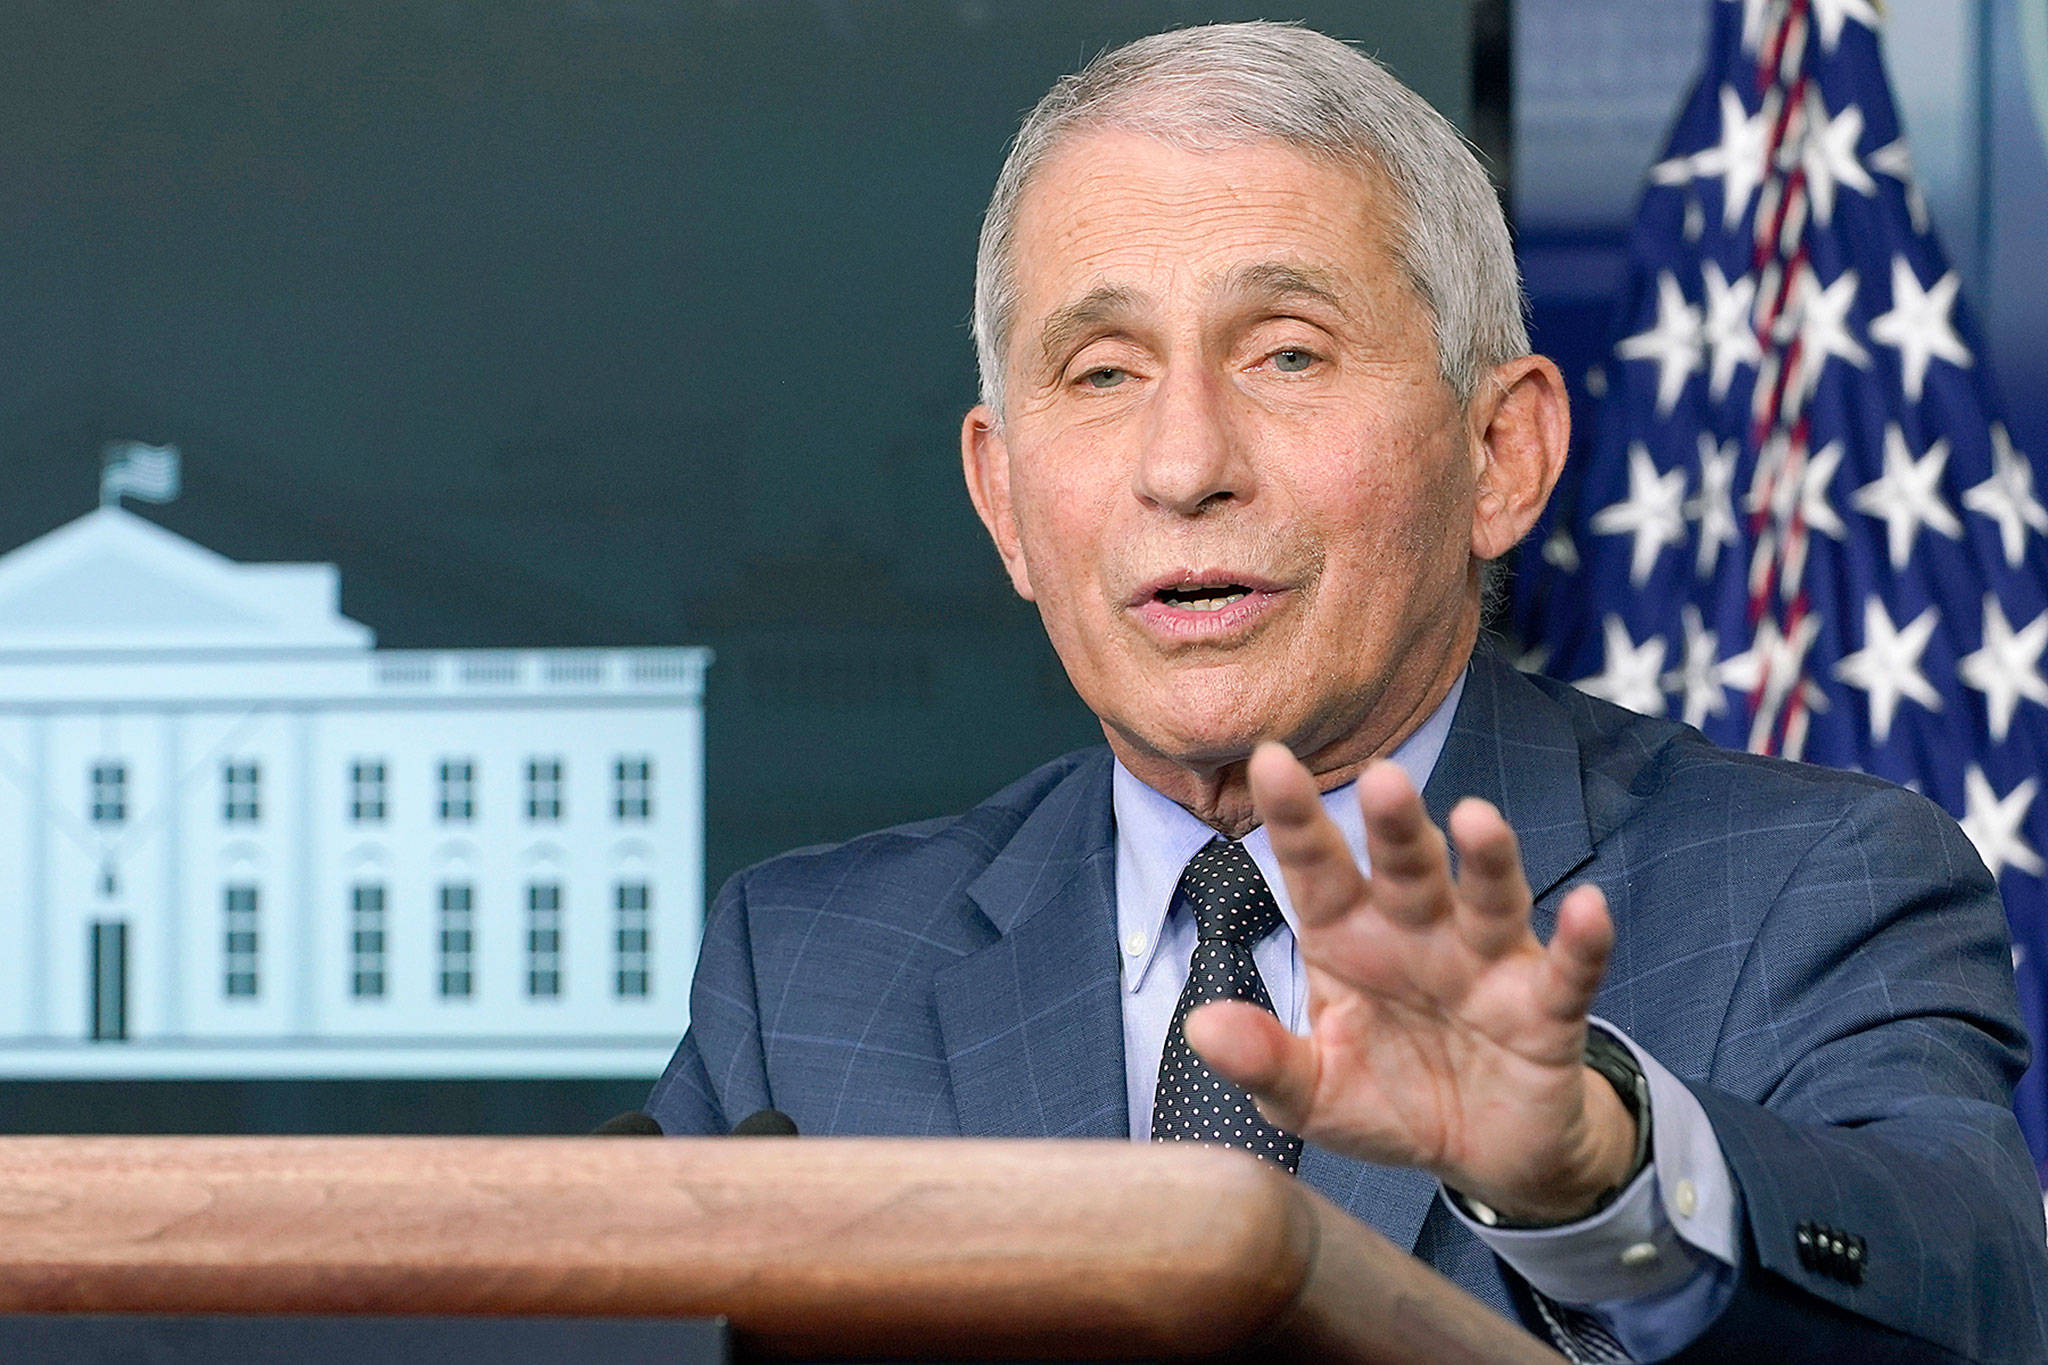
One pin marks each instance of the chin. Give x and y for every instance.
(1206, 736)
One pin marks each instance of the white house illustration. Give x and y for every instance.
(237, 840)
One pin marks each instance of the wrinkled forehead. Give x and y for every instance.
(1117, 218)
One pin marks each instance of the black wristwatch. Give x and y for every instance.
(1607, 1055)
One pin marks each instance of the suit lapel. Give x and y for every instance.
(1033, 1023)
(1513, 746)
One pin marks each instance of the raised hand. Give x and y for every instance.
(1442, 1033)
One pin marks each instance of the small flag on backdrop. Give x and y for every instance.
(130, 469)
(1801, 524)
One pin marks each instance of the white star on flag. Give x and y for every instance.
(1730, 334)
(1673, 342)
(1888, 665)
(1829, 156)
(1822, 325)
(1804, 496)
(1831, 14)
(1713, 507)
(1653, 512)
(1771, 669)
(1895, 159)
(1918, 325)
(1629, 671)
(1559, 551)
(2007, 497)
(1796, 497)
(1738, 158)
(1908, 495)
(1993, 822)
(2007, 666)
(1698, 676)
(1754, 12)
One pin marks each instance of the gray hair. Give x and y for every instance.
(1229, 84)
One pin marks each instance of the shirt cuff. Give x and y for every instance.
(1672, 1222)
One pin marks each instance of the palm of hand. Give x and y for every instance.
(1442, 1033)
(1429, 1055)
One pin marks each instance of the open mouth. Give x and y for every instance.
(1203, 596)
(1206, 604)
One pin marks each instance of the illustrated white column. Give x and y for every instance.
(172, 912)
(302, 792)
(41, 961)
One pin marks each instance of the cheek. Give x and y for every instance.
(1404, 542)
(1063, 540)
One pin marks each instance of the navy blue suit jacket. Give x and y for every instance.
(1820, 956)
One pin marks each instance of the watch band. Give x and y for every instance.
(1610, 1057)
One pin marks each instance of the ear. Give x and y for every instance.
(985, 459)
(1519, 425)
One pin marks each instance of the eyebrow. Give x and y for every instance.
(1276, 281)
(1264, 282)
(1103, 304)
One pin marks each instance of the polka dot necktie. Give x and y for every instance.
(1234, 909)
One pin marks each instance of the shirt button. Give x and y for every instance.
(1641, 1254)
(1134, 944)
(1686, 1198)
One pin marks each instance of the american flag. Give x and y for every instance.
(1800, 523)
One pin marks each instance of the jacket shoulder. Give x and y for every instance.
(926, 854)
(1629, 758)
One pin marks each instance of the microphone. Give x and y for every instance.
(631, 1124)
(760, 1123)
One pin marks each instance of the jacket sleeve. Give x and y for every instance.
(1861, 1092)
(717, 1075)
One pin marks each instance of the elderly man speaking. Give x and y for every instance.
(1667, 1049)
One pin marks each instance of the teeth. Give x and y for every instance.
(1210, 603)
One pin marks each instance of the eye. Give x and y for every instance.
(1105, 377)
(1292, 360)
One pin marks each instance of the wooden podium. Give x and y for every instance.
(821, 1249)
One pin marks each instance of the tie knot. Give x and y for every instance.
(1229, 894)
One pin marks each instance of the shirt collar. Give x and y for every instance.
(1155, 837)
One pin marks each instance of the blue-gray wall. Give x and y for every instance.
(576, 322)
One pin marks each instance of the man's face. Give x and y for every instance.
(1230, 473)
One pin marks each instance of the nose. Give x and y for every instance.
(1192, 458)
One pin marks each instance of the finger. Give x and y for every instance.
(1322, 877)
(1246, 1044)
(1493, 895)
(1577, 955)
(1411, 872)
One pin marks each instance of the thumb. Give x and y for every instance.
(1247, 1045)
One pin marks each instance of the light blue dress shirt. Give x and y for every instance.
(1655, 1266)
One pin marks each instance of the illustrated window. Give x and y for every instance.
(544, 790)
(109, 793)
(632, 941)
(239, 941)
(367, 791)
(458, 790)
(458, 941)
(544, 940)
(366, 947)
(633, 789)
(240, 798)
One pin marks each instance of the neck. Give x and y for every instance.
(1219, 794)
